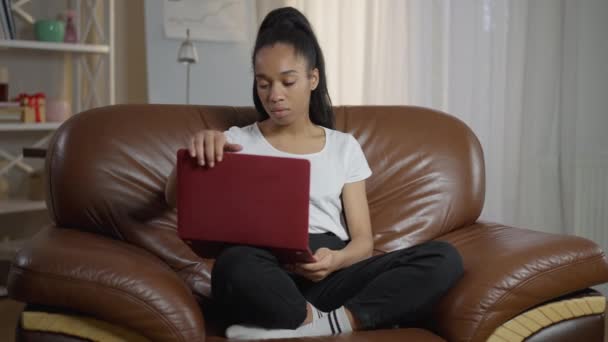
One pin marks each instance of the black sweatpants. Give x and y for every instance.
(397, 288)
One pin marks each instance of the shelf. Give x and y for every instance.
(8, 248)
(51, 46)
(45, 126)
(18, 206)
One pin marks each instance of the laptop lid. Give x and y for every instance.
(246, 200)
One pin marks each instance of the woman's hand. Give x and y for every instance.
(327, 262)
(208, 146)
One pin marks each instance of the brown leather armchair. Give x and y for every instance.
(112, 266)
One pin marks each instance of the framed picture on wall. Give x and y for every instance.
(211, 20)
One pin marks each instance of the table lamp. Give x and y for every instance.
(187, 55)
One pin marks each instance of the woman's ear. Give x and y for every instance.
(314, 79)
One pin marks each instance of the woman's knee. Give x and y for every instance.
(236, 265)
(236, 282)
(235, 255)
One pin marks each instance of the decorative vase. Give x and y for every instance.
(49, 30)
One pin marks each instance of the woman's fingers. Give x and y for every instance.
(209, 149)
(192, 148)
(313, 267)
(314, 276)
(232, 147)
(199, 144)
(220, 140)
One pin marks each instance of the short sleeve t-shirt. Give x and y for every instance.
(340, 161)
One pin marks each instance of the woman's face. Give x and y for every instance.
(284, 83)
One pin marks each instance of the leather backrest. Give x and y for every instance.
(110, 164)
(428, 171)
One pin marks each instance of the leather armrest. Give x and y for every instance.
(158, 236)
(510, 270)
(107, 279)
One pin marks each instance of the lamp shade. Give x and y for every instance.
(187, 51)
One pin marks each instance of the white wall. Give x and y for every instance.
(130, 52)
(222, 76)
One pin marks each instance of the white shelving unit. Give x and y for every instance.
(8, 249)
(17, 206)
(44, 126)
(11, 206)
(87, 73)
(65, 47)
(17, 160)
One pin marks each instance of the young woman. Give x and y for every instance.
(346, 288)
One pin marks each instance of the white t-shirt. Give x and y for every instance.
(340, 161)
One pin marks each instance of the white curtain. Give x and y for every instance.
(364, 44)
(529, 77)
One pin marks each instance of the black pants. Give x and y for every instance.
(397, 288)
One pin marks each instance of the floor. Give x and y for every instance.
(9, 309)
(9, 313)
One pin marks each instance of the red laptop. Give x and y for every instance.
(245, 200)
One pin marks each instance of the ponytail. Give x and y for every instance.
(288, 25)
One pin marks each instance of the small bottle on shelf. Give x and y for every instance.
(70, 29)
(3, 83)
